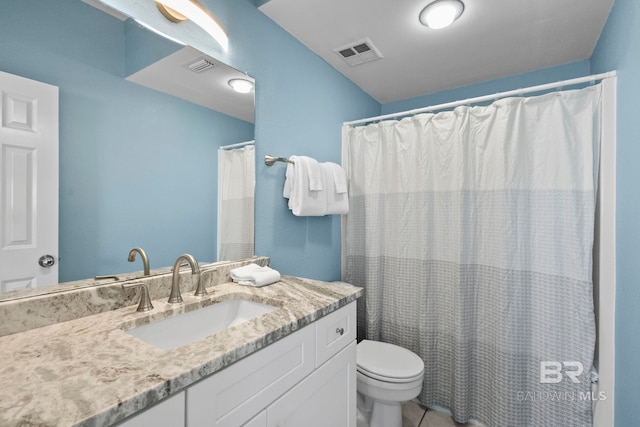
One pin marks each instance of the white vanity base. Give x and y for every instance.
(305, 379)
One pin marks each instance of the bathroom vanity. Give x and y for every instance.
(307, 378)
(294, 365)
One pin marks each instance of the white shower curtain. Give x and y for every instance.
(236, 183)
(471, 232)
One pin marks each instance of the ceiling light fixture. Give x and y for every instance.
(441, 13)
(180, 10)
(160, 33)
(241, 85)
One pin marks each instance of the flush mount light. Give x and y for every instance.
(441, 13)
(241, 85)
(180, 10)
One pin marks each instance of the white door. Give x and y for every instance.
(28, 183)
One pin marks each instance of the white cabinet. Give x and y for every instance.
(306, 379)
(327, 397)
(259, 420)
(234, 395)
(167, 413)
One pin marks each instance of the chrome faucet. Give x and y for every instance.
(145, 259)
(175, 296)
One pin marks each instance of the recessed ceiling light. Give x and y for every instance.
(441, 13)
(241, 85)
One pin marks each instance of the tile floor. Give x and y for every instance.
(414, 415)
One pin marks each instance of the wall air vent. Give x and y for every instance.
(200, 65)
(359, 52)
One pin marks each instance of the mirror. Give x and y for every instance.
(138, 141)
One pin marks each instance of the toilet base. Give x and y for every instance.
(386, 415)
(375, 413)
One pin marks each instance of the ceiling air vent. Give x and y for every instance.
(359, 52)
(200, 65)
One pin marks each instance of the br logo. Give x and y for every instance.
(551, 372)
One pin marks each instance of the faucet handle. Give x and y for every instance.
(145, 301)
(201, 291)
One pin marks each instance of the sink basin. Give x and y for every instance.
(186, 328)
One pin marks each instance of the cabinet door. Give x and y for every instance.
(234, 395)
(327, 397)
(168, 413)
(259, 420)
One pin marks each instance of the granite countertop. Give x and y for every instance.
(90, 372)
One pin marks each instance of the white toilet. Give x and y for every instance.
(388, 375)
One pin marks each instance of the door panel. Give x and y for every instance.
(28, 182)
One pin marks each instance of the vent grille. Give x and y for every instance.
(357, 53)
(200, 65)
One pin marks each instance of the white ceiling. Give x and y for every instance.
(492, 39)
(208, 88)
(170, 75)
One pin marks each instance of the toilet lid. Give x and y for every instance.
(386, 361)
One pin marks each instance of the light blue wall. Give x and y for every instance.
(301, 103)
(137, 167)
(619, 49)
(143, 47)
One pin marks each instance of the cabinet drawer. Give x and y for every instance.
(334, 332)
(234, 395)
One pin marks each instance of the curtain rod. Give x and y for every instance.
(239, 144)
(495, 96)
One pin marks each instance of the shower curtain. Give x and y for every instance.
(471, 231)
(236, 183)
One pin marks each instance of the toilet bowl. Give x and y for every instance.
(387, 376)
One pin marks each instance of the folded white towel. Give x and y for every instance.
(339, 177)
(254, 275)
(289, 178)
(336, 194)
(303, 201)
(314, 172)
(328, 178)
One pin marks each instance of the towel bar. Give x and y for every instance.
(270, 160)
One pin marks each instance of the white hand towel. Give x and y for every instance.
(337, 197)
(254, 275)
(289, 178)
(303, 201)
(314, 172)
(330, 180)
(339, 177)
